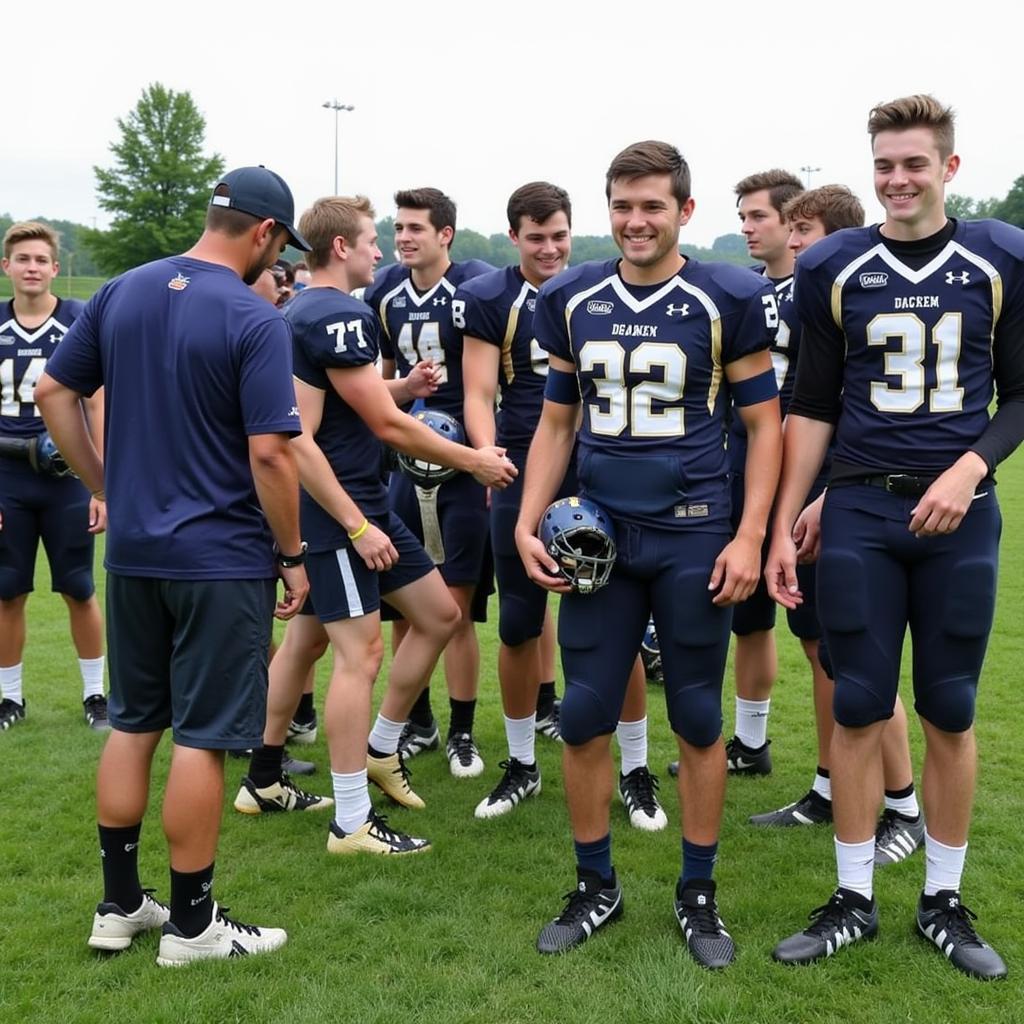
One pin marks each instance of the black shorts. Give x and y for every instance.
(190, 655)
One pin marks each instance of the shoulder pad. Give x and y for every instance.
(856, 239)
(1002, 235)
(485, 287)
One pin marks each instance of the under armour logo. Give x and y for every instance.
(128, 847)
(441, 300)
(962, 278)
(682, 310)
(54, 338)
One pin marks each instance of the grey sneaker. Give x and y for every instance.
(897, 837)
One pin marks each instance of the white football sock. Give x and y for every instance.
(351, 799)
(385, 735)
(752, 722)
(944, 865)
(92, 676)
(632, 737)
(10, 683)
(855, 863)
(520, 733)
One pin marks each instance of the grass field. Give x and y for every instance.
(448, 937)
(63, 287)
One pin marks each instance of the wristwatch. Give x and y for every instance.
(290, 561)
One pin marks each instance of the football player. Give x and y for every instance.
(413, 301)
(38, 499)
(494, 313)
(811, 216)
(909, 329)
(647, 345)
(358, 551)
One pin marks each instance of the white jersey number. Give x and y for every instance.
(14, 394)
(620, 406)
(427, 345)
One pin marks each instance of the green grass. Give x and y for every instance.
(448, 937)
(63, 287)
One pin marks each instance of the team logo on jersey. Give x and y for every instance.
(399, 302)
(876, 280)
(6, 339)
(54, 338)
(682, 310)
(599, 307)
(440, 300)
(531, 305)
(962, 278)
(178, 283)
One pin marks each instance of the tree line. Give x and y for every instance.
(157, 189)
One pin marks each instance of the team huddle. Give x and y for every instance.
(673, 447)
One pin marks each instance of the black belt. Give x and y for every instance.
(904, 484)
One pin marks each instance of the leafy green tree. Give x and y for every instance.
(965, 208)
(1011, 209)
(159, 185)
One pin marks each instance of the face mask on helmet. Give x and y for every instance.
(650, 654)
(430, 474)
(580, 537)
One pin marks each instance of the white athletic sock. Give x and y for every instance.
(905, 805)
(520, 733)
(822, 785)
(385, 735)
(855, 863)
(92, 676)
(10, 683)
(632, 737)
(351, 799)
(944, 865)
(752, 722)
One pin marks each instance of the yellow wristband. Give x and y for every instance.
(362, 529)
(99, 495)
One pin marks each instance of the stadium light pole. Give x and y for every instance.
(808, 170)
(337, 108)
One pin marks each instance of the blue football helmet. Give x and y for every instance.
(46, 459)
(580, 537)
(650, 654)
(430, 474)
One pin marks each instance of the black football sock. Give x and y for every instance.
(192, 901)
(422, 714)
(265, 765)
(463, 712)
(119, 852)
(545, 699)
(305, 712)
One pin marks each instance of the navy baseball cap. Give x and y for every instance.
(262, 193)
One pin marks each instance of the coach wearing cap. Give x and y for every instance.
(199, 410)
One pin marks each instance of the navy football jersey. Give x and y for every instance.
(914, 352)
(650, 363)
(784, 351)
(498, 308)
(193, 363)
(23, 356)
(332, 329)
(419, 326)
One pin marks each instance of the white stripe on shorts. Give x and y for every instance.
(355, 602)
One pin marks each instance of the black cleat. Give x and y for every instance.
(591, 905)
(845, 919)
(94, 710)
(11, 712)
(519, 782)
(697, 913)
(742, 760)
(944, 920)
(639, 793)
(897, 837)
(811, 809)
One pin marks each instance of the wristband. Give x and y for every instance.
(100, 495)
(291, 561)
(356, 534)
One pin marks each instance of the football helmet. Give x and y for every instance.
(430, 474)
(580, 537)
(45, 459)
(650, 654)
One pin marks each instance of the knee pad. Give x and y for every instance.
(695, 713)
(78, 585)
(948, 704)
(585, 715)
(969, 607)
(842, 593)
(855, 704)
(518, 620)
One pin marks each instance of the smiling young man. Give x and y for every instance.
(35, 503)
(645, 344)
(494, 312)
(413, 302)
(910, 327)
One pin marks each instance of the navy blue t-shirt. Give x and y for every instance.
(193, 363)
(334, 330)
(23, 355)
(651, 368)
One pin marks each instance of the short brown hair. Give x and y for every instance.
(651, 157)
(919, 111)
(780, 185)
(537, 200)
(834, 205)
(28, 231)
(328, 218)
(441, 207)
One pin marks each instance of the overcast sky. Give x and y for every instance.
(478, 98)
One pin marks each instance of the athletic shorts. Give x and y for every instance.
(342, 586)
(190, 655)
(52, 509)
